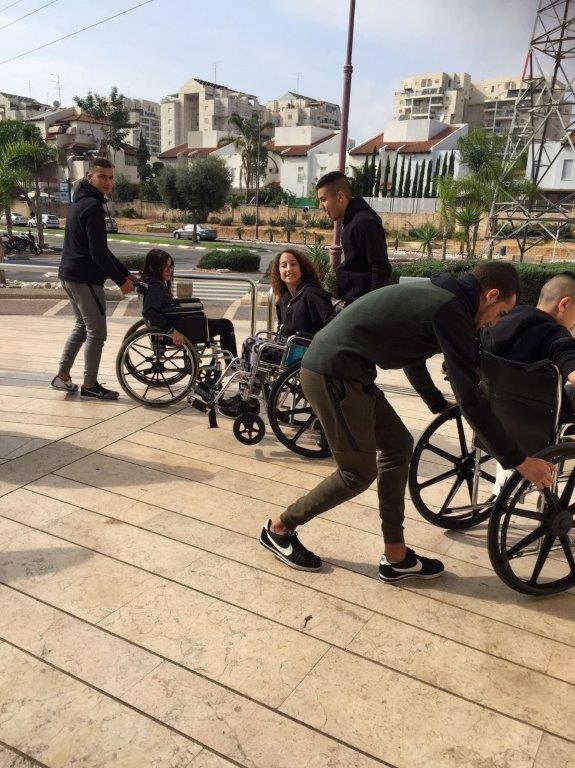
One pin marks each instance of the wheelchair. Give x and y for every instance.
(273, 376)
(154, 371)
(452, 476)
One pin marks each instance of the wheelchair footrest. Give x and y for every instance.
(198, 405)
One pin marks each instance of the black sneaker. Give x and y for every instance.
(235, 406)
(411, 567)
(98, 392)
(288, 548)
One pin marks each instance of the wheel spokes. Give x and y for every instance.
(542, 558)
(535, 534)
(437, 479)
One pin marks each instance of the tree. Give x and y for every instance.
(468, 216)
(393, 177)
(401, 175)
(415, 181)
(358, 181)
(250, 142)
(365, 178)
(435, 175)
(429, 180)
(166, 183)
(427, 234)
(482, 152)
(444, 165)
(372, 174)
(451, 168)
(145, 171)
(447, 193)
(10, 178)
(30, 159)
(123, 191)
(203, 187)
(384, 189)
(421, 178)
(113, 110)
(377, 186)
(407, 185)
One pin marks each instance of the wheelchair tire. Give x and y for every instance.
(532, 543)
(446, 479)
(292, 419)
(249, 428)
(155, 372)
(135, 327)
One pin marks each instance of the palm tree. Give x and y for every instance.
(249, 141)
(29, 159)
(447, 193)
(468, 216)
(11, 131)
(427, 234)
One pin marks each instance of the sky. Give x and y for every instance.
(260, 47)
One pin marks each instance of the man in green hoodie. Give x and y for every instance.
(399, 326)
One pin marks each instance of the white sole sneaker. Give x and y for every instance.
(63, 386)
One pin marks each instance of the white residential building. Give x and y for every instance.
(433, 96)
(14, 107)
(203, 106)
(560, 177)
(293, 109)
(417, 140)
(146, 115)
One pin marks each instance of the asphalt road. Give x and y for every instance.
(185, 257)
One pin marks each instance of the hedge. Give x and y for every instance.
(532, 276)
(133, 261)
(236, 259)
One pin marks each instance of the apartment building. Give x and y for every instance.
(146, 117)
(13, 107)
(293, 109)
(433, 96)
(203, 106)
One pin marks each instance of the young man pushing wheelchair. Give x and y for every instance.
(398, 326)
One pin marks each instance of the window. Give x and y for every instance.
(567, 170)
(300, 174)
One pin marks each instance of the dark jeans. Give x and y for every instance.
(194, 330)
(368, 441)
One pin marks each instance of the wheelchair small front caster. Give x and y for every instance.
(249, 428)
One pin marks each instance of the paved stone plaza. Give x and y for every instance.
(142, 624)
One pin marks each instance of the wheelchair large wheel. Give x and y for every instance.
(135, 327)
(154, 371)
(446, 486)
(291, 417)
(531, 532)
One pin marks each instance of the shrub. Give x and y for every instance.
(330, 283)
(214, 220)
(270, 233)
(319, 257)
(131, 213)
(318, 238)
(226, 221)
(532, 276)
(324, 222)
(236, 259)
(273, 221)
(312, 222)
(239, 232)
(133, 261)
(249, 219)
(285, 220)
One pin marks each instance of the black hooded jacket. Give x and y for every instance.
(307, 312)
(401, 326)
(527, 335)
(366, 266)
(86, 257)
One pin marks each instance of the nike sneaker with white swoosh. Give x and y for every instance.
(411, 567)
(288, 548)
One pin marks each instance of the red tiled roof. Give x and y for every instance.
(294, 150)
(183, 149)
(129, 149)
(82, 118)
(404, 147)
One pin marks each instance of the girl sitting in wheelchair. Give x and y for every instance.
(157, 275)
(303, 307)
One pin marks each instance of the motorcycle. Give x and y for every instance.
(30, 242)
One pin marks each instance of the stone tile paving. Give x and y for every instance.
(141, 624)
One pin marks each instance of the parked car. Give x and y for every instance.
(111, 225)
(17, 219)
(50, 221)
(204, 233)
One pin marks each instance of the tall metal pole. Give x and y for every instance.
(335, 247)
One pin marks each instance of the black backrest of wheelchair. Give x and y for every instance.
(525, 398)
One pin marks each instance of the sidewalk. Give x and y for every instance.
(141, 623)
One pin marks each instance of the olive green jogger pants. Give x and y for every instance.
(368, 441)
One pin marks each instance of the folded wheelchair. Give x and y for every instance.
(155, 372)
(452, 478)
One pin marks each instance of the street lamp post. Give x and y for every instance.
(335, 247)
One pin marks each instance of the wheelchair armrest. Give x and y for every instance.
(268, 334)
(189, 300)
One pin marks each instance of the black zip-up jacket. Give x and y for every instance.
(307, 312)
(158, 299)
(527, 335)
(86, 257)
(366, 266)
(400, 326)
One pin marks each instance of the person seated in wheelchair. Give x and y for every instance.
(157, 274)
(303, 307)
(530, 334)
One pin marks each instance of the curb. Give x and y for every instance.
(47, 293)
